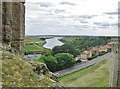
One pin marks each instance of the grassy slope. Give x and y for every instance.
(93, 76)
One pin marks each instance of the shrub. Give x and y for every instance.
(102, 53)
(90, 58)
(78, 61)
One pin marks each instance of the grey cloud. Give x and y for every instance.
(106, 25)
(102, 24)
(67, 3)
(59, 11)
(111, 13)
(79, 17)
(45, 4)
(111, 17)
(83, 21)
(87, 16)
(115, 25)
(81, 26)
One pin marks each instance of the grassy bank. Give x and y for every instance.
(94, 76)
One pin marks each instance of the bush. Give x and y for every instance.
(30, 52)
(78, 61)
(90, 58)
(102, 53)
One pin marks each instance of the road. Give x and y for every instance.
(83, 65)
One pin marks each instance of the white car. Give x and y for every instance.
(57, 74)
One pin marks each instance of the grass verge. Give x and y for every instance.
(94, 76)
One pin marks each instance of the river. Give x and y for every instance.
(52, 42)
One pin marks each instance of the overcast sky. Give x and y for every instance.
(72, 17)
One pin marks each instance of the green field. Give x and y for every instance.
(32, 48)
(29, 39)
(33, 44)
(94, 76)
(68, 39)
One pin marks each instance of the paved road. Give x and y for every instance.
(83, 65)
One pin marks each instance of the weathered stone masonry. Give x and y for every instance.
(0, 22)
(13, 26)
(115, 64)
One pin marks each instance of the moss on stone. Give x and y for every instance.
(18, 72)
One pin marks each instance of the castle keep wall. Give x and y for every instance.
(13, 26)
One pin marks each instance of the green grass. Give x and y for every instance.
(31, 48)
(94, 76)
(29, 39)
(41, 43)
(68, 39)
(36, 45)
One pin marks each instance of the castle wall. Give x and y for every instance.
(13, 26)
(0, 22)
(115, 65)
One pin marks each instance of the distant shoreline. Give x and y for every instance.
(70, 36)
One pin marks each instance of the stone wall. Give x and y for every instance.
(0, 22)
(115, 65)
(13, 26)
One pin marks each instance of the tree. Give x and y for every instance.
(58, 62)
(64, 60)
(56, 50)
(66, 48)
(50, 61)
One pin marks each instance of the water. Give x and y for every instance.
(52, 42)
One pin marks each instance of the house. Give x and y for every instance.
(94, 50)
(103, 48)
(86, 54)
(110, 44)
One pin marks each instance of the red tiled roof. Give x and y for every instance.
(104, 47)
(110, 43)
(86, 52)
(94, 49)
